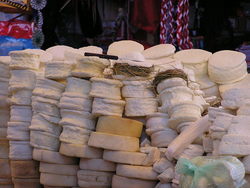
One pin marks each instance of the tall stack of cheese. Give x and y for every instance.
(24, 66)
(5, 174)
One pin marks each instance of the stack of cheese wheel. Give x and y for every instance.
(197, 61)
(24, 66)
(5, 173)
(77, 120)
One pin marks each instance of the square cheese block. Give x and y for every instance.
(124, 182)
(108, 107)
(20, 150)
(24, 169)
(58, 70)
(75, 135)
(39, 123)
(94, 179)
(59, 169)
(58, 180)
(21, 97)
(82, 151)
(18, 131)
(21, 183)
(20, 113)
(4, 149)
(77, 87)
(97, 165)
(77, 118)
(105, 88)
(76, 103)
(113, 142)
(52, 157)
(44, 140)
(5, 171)
(119, 126)
(140, 106)
(22, 79)
(48, 88)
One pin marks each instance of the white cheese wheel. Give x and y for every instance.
(97, 165)
(119, 126)
(193, 56)
(137, 89)
(58, 180)
(52, 157)
(72, 55)
(24, 60)
(91, 49)
(246, 163)
(113, 142)
(159, 51)
(76, 103)
(105, 88)
(161, 165)
(82, 151)
(44, 140)
(124, 47)
(5, 171)
(38, 123)
(22, 79)
(139, 172)
(20, 113)
(77, 118)
(77, 87)
(90, 67)
(43, 55)
(140, 106)
(20, 150)
(46, 108)
(48, 88)
(94, 179)
(123, 182)
(75, 135)
(24, 169)
(58, 52)
(19, 183)
(59, 169)
(107, 107)
(58, 70)
(225, 67)
(21, 97)
(3, 133)
(157, 120)
(163, 138)
(171, 82)
(166, 63)
(18, 131)
(4, 149)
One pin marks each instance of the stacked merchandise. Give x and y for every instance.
(24, 170)
(5, 173)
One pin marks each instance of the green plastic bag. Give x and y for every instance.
(211, 172)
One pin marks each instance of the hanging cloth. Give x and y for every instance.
(146, 15)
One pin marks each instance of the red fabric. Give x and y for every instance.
(146, 14)
(16, 28)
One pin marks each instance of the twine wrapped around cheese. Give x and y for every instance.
(128, 70)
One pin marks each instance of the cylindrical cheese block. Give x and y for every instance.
(82, 151)
(169, 83)
(76, 103)
(58, 180)
(18, 131)
(97, 165)
(21, 183)
(5, 171)
(43, 140)
(52, 157)
(140, 106)
(119, 126)
(108, 107)
(24, 169)
(113, 142)
(105, 88)
(20, 113)
(124, 182)
(20, 150)
(59, 169)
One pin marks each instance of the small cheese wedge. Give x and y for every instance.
(24, 169)
(97, 165)
(113, 142)
(59, 169)
(119, 126)
(139, 172)
(52, 157)
(123, 182)
(58, 180)
(82, 151)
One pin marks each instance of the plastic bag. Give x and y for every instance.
(211, 172)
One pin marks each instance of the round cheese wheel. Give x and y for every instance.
(159, 51)
(57, 52)
(20, 150)
(192, 56)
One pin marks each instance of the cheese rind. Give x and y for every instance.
(97, 165)
(139, 172)
(82, 151)
(58, 180)
(119, 126)
(113, 142)
(123, 182)
(52, 157)
(24, 169)
(59, 169)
